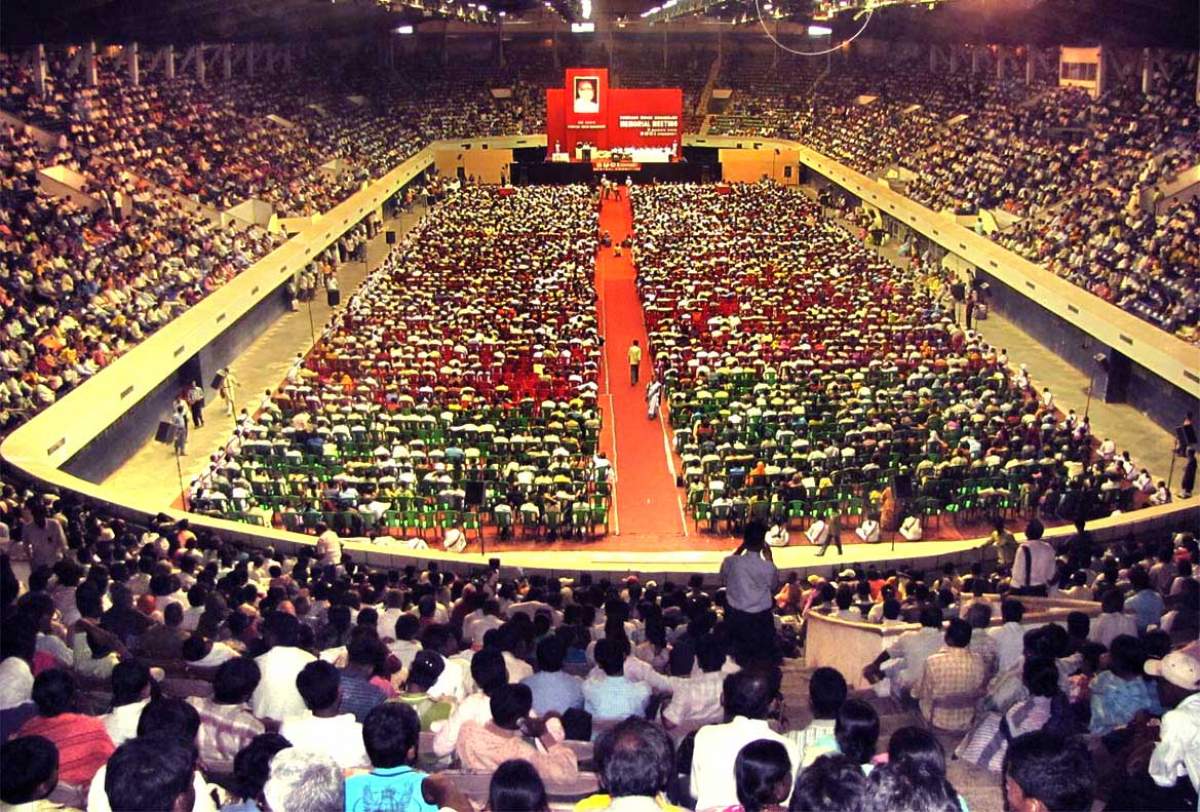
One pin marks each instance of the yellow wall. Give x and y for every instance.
(487, 165)
(750, 165)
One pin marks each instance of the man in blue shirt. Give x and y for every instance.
(553, 691)
(612, 696)
(390, 735)
(1144, 604)
(358, 695)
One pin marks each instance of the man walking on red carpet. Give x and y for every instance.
(635, 362)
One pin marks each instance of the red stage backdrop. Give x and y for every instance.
(586, 111)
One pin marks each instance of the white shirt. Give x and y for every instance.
(913, 648)
(1010, 644)
(276, 696)
(16, 682)
(339, 737)
(1110, 625)
(121, 723)
(475, 629)
(218, 654)
(1041, 559)
(517, 669)
(1177, 753)
(329, 547)
(475, 708)
(712, 782)
(454, 680)
(693, 699)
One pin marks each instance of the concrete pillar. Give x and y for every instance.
(932, 58)
(40, 69)
(500, 41)
(1001, 62)
(1147, 72)
(227, 61)
(198, 64)
(974, 61)
(89, 65)
(251, 56)
(133, 68)
(1030, 65)
(953, 59)
(169, 62)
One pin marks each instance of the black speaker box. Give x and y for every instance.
(390, 236)
(165, 432)
(474, 496)
(904, 486)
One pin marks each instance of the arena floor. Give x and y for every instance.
(648, 513)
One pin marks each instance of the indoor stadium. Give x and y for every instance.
(581, 405)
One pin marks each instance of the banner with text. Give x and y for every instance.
(586, 113)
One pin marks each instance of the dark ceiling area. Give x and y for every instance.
(1125, 23)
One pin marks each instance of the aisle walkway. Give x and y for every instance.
(645, 496)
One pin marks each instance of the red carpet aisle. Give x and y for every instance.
(646, 499)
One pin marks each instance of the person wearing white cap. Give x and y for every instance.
(1170, 778)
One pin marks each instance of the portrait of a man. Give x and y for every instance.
(587, 94)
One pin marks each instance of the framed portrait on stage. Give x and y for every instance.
(586, 94)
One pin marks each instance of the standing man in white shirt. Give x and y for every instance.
(747, 698)
(750, 578)
(277, 696)
(1009, 637)
(1034, 565)
(329, 546)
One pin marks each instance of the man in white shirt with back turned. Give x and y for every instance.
(750, 578)
(276, 696)
(747, 698)
(1034, 565)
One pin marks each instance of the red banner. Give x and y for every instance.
(585, 112)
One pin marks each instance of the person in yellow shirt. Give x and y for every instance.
(635, 362)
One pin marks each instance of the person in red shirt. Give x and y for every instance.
(83, 743)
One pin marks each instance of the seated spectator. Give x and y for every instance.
(952, 681)
(358, 694)
(390, 735)
(764, 776)
(693, 699)
(832, 783)
(1119, 692)
(251, 767)
(226, 723)
(910, 650)
(484, 747)
(1043, 771)
(612, 695)
(427, 666)
(152, 772)
(905, 789)
(1162, 772)
(164, 718)
(277, 696)
(321, 728)
(30, 773)
(517, 786)
(1112, 621)
(131, 692)
(635, 761)
(83, 742)
(1145, 604)
(857, 732)
(303, 781)
(1009, 636)
(747, 698)
(826, 695)
(553, 690)
(164, 641)
(489, 673)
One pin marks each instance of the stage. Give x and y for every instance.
(542, 171)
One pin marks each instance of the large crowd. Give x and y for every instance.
(805, 373)
(1080, 173)
(151, 667)
(469, 356)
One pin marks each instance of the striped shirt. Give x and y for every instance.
(224, 730)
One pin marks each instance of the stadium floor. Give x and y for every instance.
(648, 512)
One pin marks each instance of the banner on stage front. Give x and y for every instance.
(586, 112)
